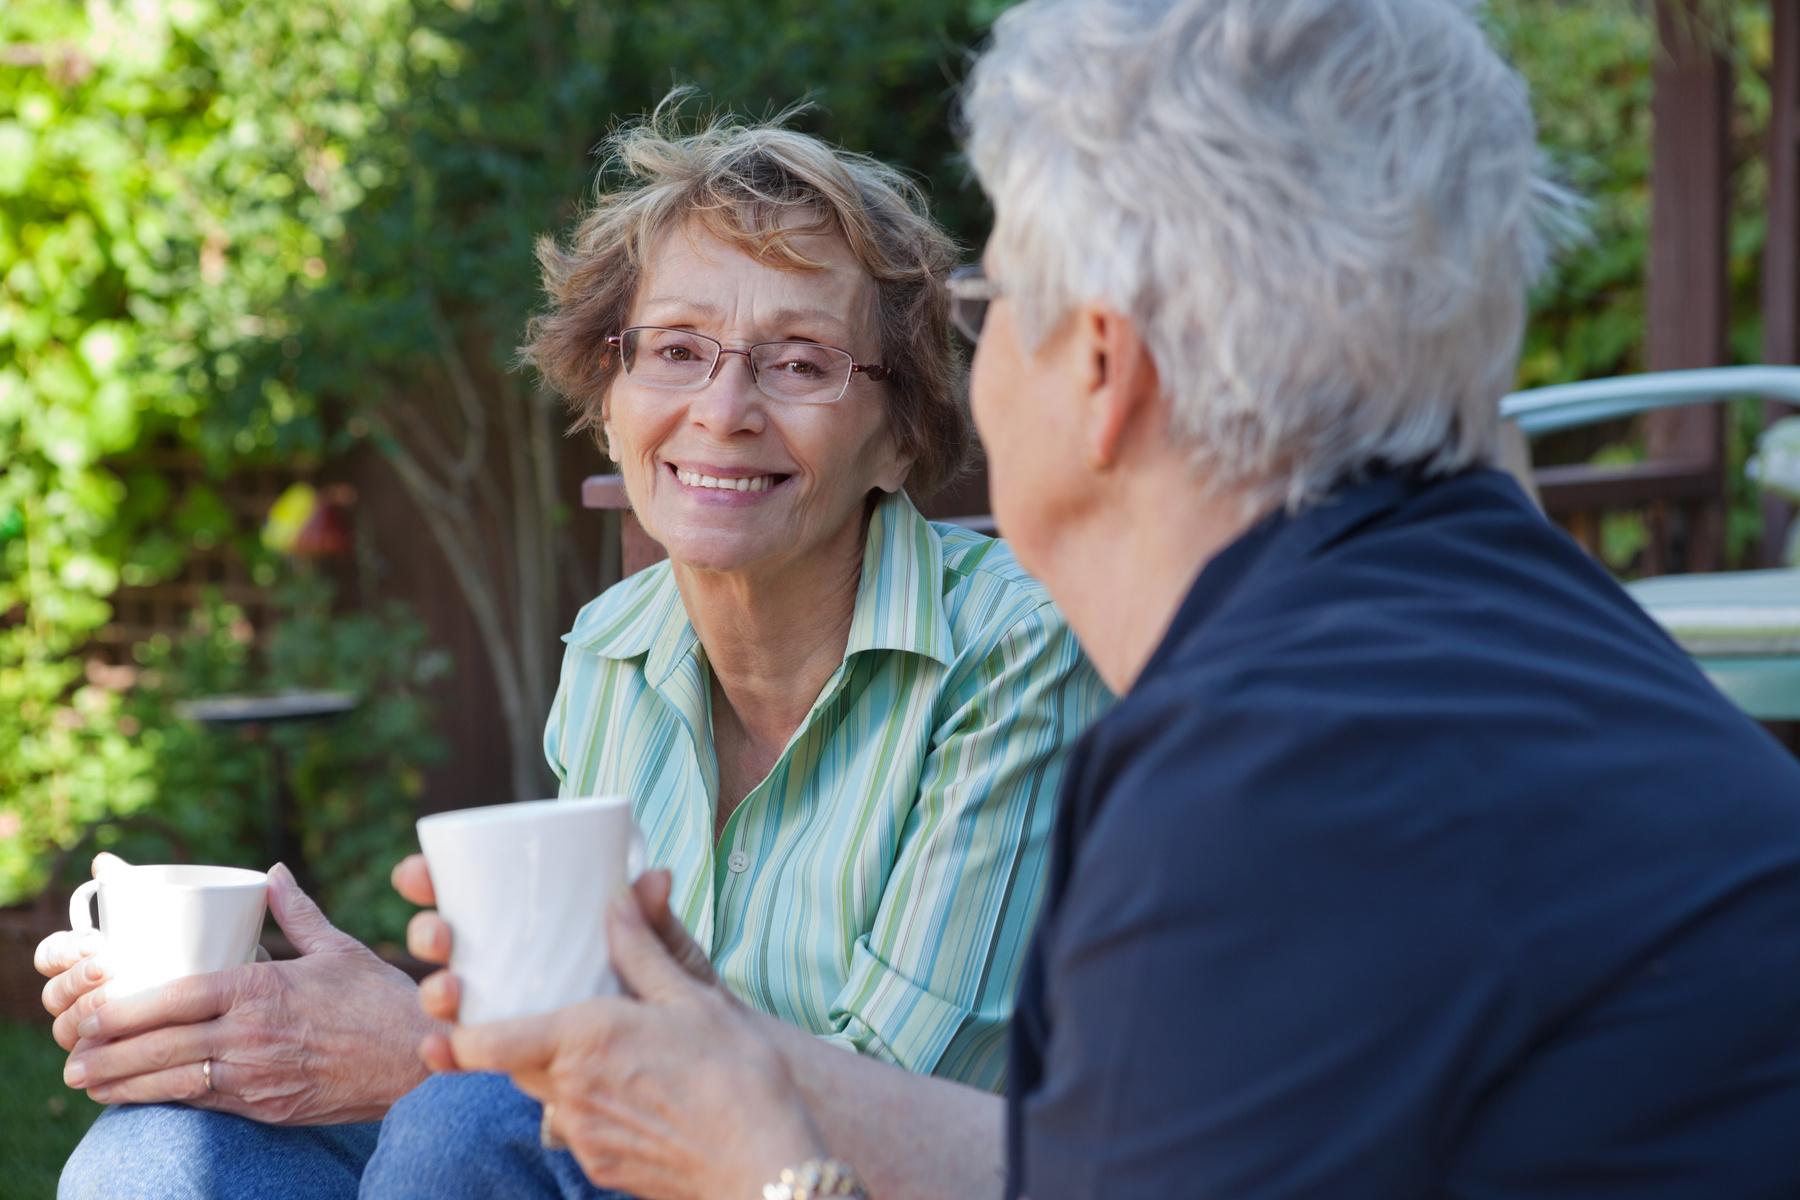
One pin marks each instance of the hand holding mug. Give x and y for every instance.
(428, 938)
(673, 1089)
(326, 1038)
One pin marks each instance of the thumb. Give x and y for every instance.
(300, 918)
(652, 889)
(639, 956)
(107, 861)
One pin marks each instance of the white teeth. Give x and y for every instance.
(758, 483)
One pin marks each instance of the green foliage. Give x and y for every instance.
(40, 1119)
(1588, 64)
(354, 779)
(168, 170)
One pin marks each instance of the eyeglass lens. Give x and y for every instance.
(968, 315)
(802, 372)
(971, 291)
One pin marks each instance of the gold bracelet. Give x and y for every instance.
(816, 1177)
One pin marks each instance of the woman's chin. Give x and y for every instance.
(724, 555)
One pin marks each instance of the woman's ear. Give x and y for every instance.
(891, 472)
(1122, 384)
(603, 430)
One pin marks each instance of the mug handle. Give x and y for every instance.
(637, 859)
(79, 919)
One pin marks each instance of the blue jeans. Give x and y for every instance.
(455, 1137)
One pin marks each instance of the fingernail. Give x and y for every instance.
(101, 1095)
(92, 971)
(90, 1025)
(280, 871)
(75, 1074)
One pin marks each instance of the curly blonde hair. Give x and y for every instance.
(760, 187)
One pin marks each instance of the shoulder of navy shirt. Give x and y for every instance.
(1419, 862)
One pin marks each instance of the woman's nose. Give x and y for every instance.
(731, 402)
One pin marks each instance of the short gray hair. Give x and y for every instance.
(1323, 215)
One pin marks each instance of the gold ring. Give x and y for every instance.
(206, 1073)
(547, 1136)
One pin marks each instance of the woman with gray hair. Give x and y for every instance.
(1414, 861)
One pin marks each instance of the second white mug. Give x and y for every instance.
(524, 888)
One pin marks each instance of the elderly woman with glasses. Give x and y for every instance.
(841, 725)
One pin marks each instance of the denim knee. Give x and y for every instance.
(464, 1137)
(173, 1152)
(460, 1135)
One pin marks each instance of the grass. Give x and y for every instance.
(40, 1119)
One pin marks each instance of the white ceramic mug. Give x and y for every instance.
(160, 923)
(524, 888)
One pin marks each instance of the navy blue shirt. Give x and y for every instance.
(1418, 863)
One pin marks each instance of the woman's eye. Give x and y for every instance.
(677, 353)
(797, 367)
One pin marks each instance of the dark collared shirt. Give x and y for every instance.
(1418, 863)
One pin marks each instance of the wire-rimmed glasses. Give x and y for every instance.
(681, 360)
(971, 291)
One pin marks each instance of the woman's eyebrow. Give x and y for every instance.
(790, 316)
(686, 304)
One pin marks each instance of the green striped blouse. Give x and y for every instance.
(879, 886)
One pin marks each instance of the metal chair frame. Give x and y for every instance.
(1765, 686)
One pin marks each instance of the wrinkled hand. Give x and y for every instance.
(673, 1094)
(326, 1038)
(428, 937)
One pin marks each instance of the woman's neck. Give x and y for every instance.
(773, 636)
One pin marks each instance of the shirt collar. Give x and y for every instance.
(1279, 542)
(899, 601)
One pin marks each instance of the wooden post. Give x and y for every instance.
(1781, 250)
(637, 549)
(1688, 286)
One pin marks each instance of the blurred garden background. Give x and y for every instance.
(272, 251)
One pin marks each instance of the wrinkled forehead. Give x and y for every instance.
(813, 272)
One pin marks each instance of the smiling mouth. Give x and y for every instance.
(745, 483)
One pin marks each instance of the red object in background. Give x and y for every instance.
(326, 533)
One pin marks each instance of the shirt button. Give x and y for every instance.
(739, 862)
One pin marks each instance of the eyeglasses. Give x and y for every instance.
(681, 360)
(971, 291)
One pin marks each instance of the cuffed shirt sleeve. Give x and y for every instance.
(930, 986)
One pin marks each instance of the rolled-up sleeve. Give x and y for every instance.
(931, 984)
